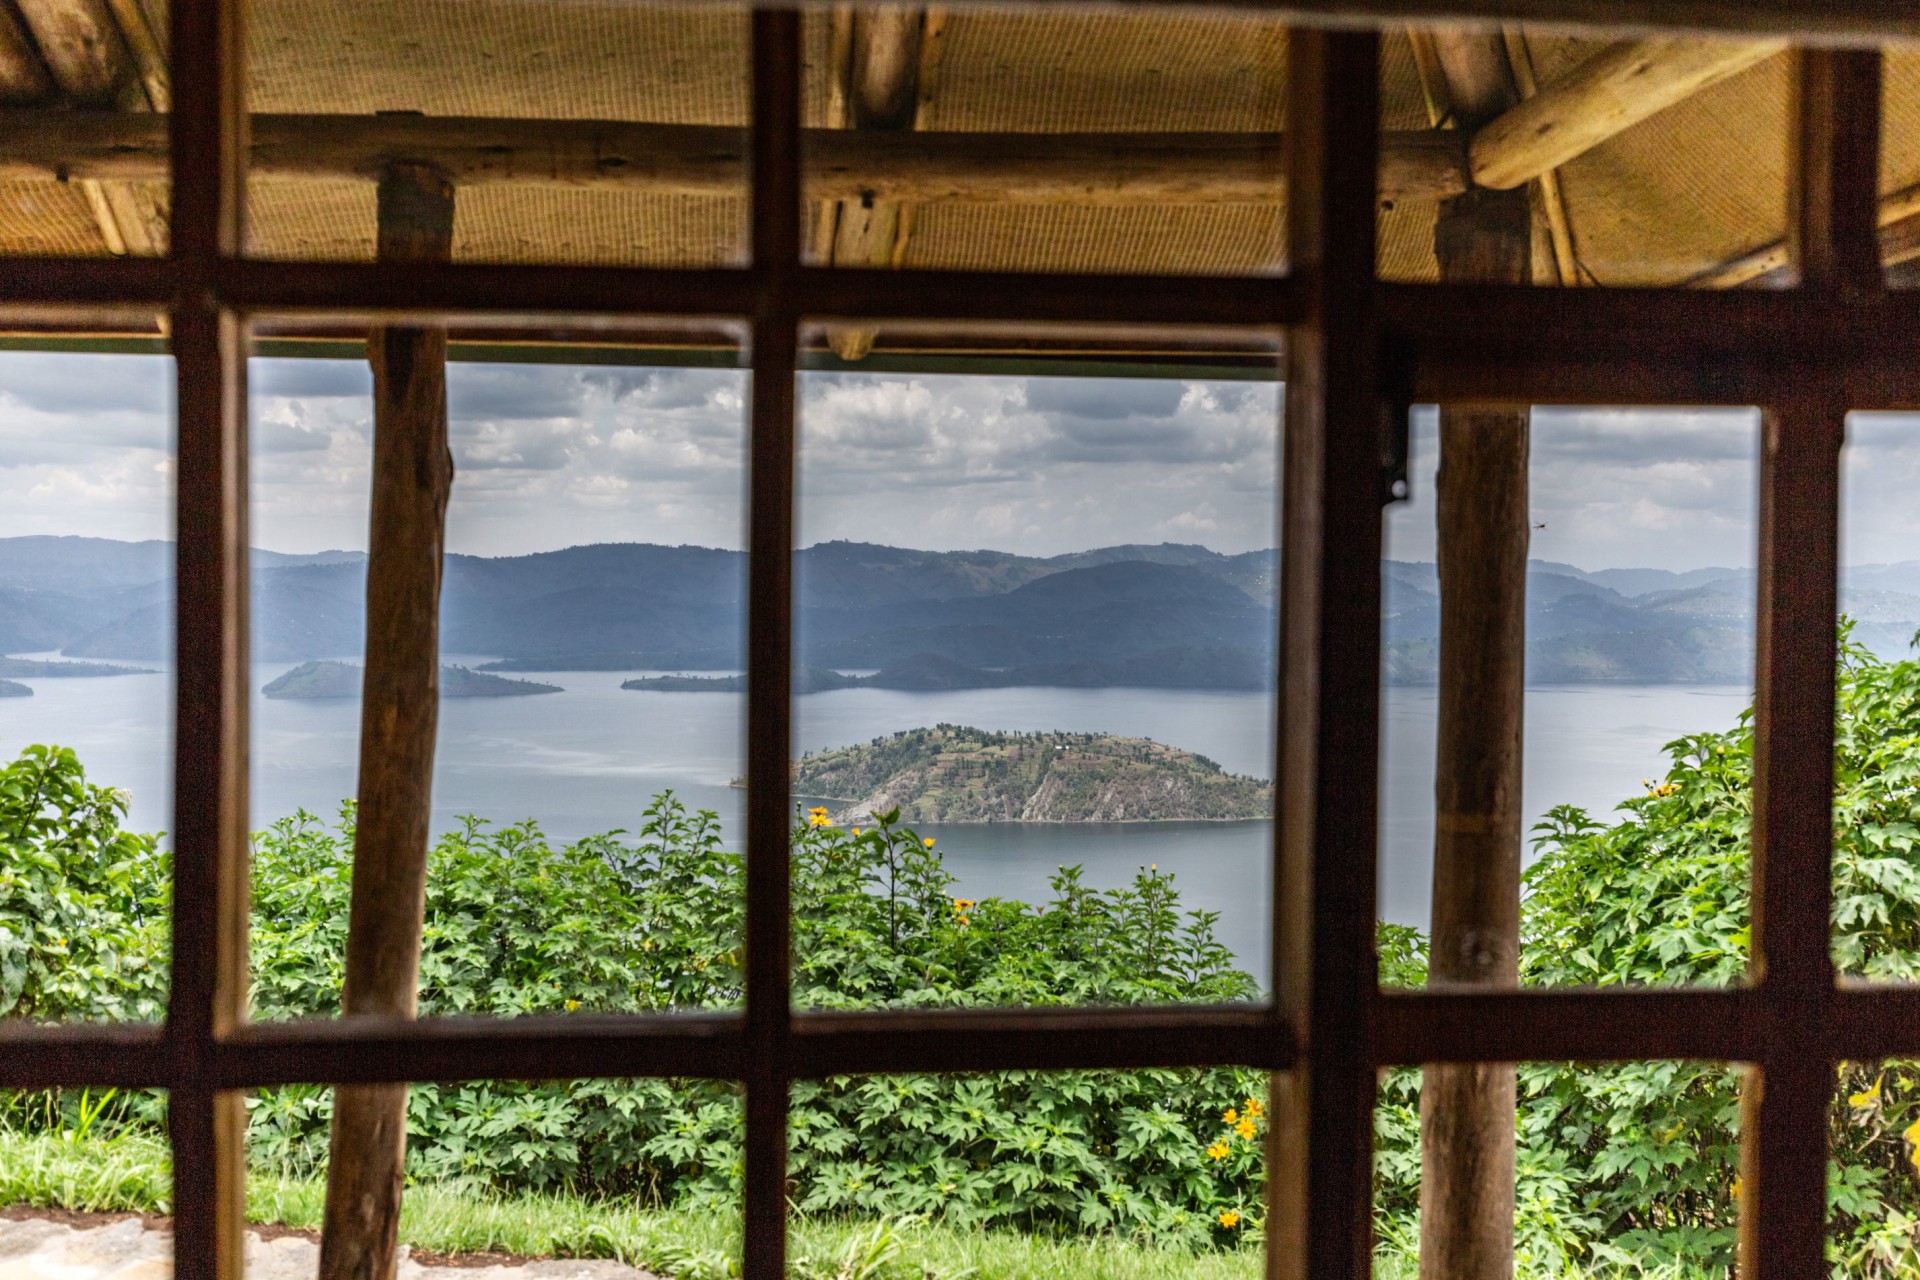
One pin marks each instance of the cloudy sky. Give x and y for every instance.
(548, 456)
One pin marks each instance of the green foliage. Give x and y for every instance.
(1634, 1165)
(517, 925)
(1626, 1167)
(83, 913)
(132, 1173)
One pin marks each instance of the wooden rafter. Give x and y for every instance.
(1607, 94)
(884, 50)
(103, 53)
(842, 164)
(1552, 200)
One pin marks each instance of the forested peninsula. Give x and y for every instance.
(342, 680)
(951, 773)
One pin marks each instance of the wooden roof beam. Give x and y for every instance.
(1606, 95)
(842, 164)
(103, 53)
(1899, 218)
(883, 49)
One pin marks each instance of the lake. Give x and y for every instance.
(587, 760)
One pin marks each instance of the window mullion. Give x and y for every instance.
(776, 257)
(1319, 1147)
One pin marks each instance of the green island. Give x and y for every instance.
(43, 669)
(805, 680)
(10, 689)
(327, 679)
(952, 773)
(1625, 1169)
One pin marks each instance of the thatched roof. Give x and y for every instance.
(1672, 197)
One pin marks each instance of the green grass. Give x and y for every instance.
(133, 1174)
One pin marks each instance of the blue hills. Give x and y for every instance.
(1168, 615)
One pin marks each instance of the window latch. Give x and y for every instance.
(1396, 420)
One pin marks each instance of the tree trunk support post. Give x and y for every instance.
(412, 477)
(1467, 1110)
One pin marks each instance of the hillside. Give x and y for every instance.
(805, 680)
(1169, 615)
(342, 680)
(23, 668)
(951, 773)
(8, 689)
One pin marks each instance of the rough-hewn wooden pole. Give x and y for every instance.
(1467, 1109)
(400, 699)
(881, 92)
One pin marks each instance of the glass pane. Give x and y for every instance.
(1029, 1174)
(1621, 1169)
(86, 684)
(581, 808)
(1873, 1170)
(69, 1158)
(645, 1173)
(595, 132)
(985, 189)
(1876, 867)
(1035, 713)
(1637, 680)
(1689, 188)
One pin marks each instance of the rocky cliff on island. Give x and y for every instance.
(951, 773)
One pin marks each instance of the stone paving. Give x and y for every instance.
(126, 1249)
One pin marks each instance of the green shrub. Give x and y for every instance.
(1637, 1161)
(1630, 1165)
(516, 925)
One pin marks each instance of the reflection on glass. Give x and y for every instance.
(1637, 742)
(1876, 864)
(1034, 714)
(585, 834)
(1621, 1169)
(1873, 1177)
(86, 686)
(86, 1151)
(1031, 1174)
(641, 1172)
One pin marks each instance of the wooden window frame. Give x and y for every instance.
(1834, 342)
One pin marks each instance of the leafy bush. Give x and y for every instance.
(517, 925)
(1637, 1162)
(83, 916)
(1629, 1166)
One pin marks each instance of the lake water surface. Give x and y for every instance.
(588, 759)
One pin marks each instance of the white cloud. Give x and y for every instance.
(551, 455)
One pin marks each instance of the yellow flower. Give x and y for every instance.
(819, 808)
(1866, 1098)
(964, 922)
(1219, 1151)
(1734, 1190)
(1245, 1128)
(1912, 1135)
(928, 842)
(572, 1005)
(1229, 1219)
(1253, 1107)
(819, 818)
(856, 831)
(1230, 1116)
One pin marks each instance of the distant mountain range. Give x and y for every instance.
(1170, 615)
